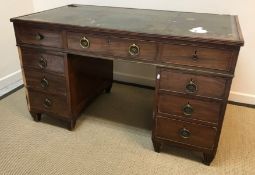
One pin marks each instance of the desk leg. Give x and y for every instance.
(36, 116)
(108, 89)
(157, 146)
(208, 158)
(71, 124)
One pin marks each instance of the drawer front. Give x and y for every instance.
(87, 43)
(52, 62)
(198, 57)
(186, 133)
(45, 82)
(43, 102)
(37, 36)
(177, 81)
(127, 48)
(189, 108)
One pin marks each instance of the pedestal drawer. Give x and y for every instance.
(191, 109)
(42, 102)
(29, 34)
(197, 56)
(185, 133)
(189, 83)
(46, 82)
(87, 43)
(45, 61)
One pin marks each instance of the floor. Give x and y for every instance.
(113, 136)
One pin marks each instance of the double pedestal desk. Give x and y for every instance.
(67, 54)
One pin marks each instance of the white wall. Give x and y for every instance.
(243, 87)
(9, 60)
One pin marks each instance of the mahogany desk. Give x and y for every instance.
(67, 54)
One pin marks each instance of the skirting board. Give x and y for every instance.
(10, 82)
(14, 80)
(242, 97)
(135, 79)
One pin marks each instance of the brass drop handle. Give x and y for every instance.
(44, 83)
(38, 36)
(187, 110)
(134, 50)
(195, 56)
(84, 42)
(184, 133)
(191, 86)
(47, 103)
(42, 63)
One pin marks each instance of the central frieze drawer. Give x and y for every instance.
(87, 42)
(46, 82)
(197, 56)
(188, 83)
(134, 49)
(185, 133)
(32, 35)
(187, 108)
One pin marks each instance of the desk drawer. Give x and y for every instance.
(197, 56)
(188, 83)
(43, 102)
(186, 133)
(49, 62)
(127, 48)
(87, 43)
(31, 35)
(45, 82)
(190, 109)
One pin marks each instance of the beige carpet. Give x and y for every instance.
(113, 137)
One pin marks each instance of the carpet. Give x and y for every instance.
(113, 136)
